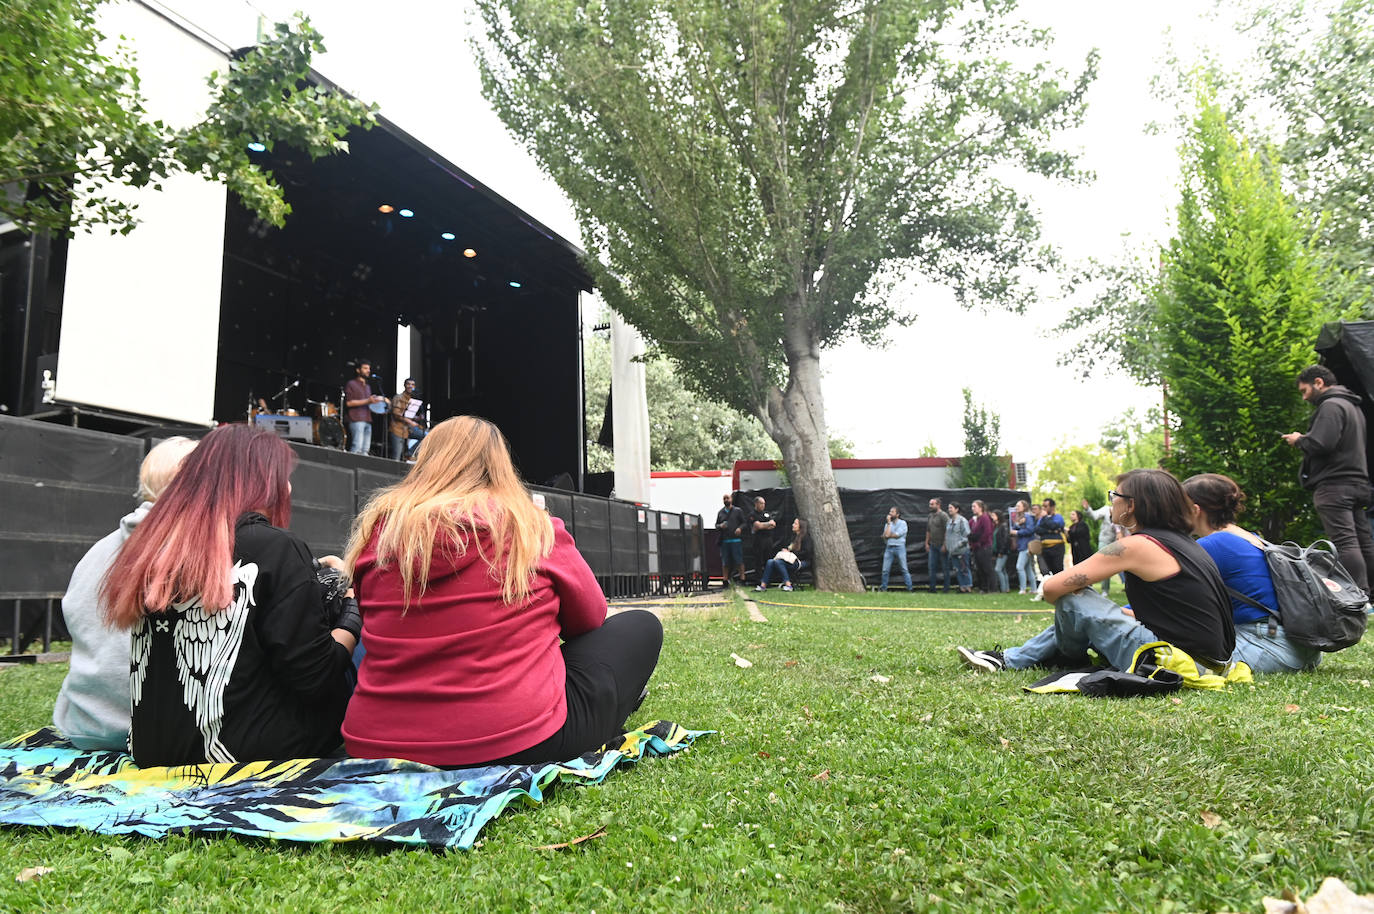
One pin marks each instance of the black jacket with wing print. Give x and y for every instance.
(262, 679)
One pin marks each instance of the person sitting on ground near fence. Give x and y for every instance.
(466, 589)
(894, 547)
(92, 708)
(956, 545)
(1239, 554)
(1174, 587)
(1023, 526)
(1001, 550)
(791, 559)
(232, 658)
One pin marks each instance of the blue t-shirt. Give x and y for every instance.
(1244, 569)
(899, 531)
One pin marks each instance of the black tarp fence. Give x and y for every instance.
(1347, 348)
(865, 513)
(64, 488)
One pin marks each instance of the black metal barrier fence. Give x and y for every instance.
(62, 489)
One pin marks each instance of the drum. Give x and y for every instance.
(329, 432)
(287, 412)
(324, 410)
(380, 407)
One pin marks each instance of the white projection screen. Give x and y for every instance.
(140, 314)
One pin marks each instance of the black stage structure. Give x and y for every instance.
(497, 334)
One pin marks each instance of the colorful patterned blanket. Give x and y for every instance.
(46, 781)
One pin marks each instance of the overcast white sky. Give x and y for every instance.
(410, 57)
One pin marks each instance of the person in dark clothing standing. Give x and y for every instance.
(1050, 531)
(937, 561)
(730, 521)
(980, 544)
(1080, 537)
(1334, 468)
(762, 523)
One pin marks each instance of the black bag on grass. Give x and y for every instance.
(1320, 605)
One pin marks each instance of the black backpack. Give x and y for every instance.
(1320, 605)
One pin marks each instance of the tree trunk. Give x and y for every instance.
(796, 420)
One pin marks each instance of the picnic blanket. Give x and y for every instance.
(46, 781)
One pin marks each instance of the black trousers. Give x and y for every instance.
(608, 669)
(1054, 557)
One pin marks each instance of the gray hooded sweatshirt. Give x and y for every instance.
(92, 708)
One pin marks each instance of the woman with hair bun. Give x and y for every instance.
(466, 588)
(232, 657)
(1239, 554)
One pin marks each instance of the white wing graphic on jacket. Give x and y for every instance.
(207, 647)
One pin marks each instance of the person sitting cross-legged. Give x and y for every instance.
(1175, 591)
(790, 559)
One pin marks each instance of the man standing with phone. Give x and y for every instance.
(894, 535)
(1334, 468)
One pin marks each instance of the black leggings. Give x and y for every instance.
(608, 669)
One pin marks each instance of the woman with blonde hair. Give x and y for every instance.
(466, 588)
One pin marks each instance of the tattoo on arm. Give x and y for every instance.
(1116, 548)
(1077, 581)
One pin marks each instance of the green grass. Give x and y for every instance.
(825, 790)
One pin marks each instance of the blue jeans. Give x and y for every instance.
(999, 568)
(1083, 620)
(1025, 570)
(781, 569)
(937, 565)
(1272, 655)
(360, 437)
(893, 553)
(962, 572)
(398, 443)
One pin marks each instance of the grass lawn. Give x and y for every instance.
(938, 789)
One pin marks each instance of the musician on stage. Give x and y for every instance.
(404, 429)
(358, 396)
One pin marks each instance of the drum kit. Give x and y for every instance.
(325, 425)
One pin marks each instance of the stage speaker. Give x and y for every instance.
(329, 432)
(296, 428)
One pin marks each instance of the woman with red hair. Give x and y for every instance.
(232, 659)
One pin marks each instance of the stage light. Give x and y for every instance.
(469, 252)
(513, 284)
(386, 208)
(406, 214)
(448, 236)
(257, 147)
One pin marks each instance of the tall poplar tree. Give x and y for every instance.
(1239, 310)
(751, 177)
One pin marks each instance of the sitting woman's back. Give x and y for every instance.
(1239, 556)
(232, 659)
(466, 588)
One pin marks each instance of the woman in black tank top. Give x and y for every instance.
(1175, 591)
